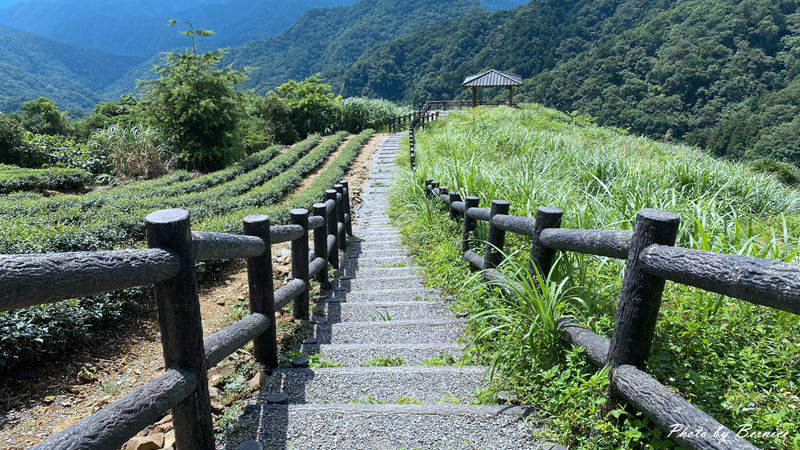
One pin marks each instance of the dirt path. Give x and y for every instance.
(52, 398)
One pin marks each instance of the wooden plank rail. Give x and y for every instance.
(169, 266)
(651, 259)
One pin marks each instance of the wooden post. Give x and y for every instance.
(454, 197)
(496, 237)
(181, 327)
(346, 197)
(321, 245)
(342, 238)
(469, 222)
(333, 257)
(474, 96)
(640, 300)
(299, 216)
(511, 96)
(261, 291)
(428, 188)
(542, 257)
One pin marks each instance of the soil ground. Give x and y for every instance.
(37, 403)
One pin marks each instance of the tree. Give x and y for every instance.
(10, 138)
(41, 116)
(196, 107)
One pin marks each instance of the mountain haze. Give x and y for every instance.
(31, 66)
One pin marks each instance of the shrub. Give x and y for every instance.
(41, 116)
(133, 151)
(785, 172)
(276, 116)
(12, 146)
(123, 111)
(13, 178)
(60, 151)
(312, 105)
(196, 107)
(359, 113)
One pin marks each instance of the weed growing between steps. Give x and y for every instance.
(384, 361)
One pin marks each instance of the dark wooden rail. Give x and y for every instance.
(168, 265)
(651, 259)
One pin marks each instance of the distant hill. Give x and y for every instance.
(717, 73)
(330, 40)
(139, 27)
(31, 66)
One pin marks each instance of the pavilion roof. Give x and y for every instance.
(492, 78)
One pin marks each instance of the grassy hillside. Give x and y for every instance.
(734, 360)
(329, 40)
(691, 69)
(31, 66)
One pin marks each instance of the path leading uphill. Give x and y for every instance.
(381, 310)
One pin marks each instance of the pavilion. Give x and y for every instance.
(492, 78)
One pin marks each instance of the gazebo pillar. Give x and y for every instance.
(511, 96)
(474, 97)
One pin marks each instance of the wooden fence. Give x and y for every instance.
(651, 259)
(168, 264)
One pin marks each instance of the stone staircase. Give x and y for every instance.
(380, 310)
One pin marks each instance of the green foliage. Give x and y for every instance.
(62, 151)
(28, 333)
(106, 114)
(13, 178)
(384, 361)
(12, 150)
(41, 116)
(441, 360)
(312, 106)
(274, 113)
(733, 360)
(785, 172)
(359, 113)
(328, 41)
(132, 151)
(196, 108)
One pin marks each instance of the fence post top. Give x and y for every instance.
(472, 198)
(299, 212)
(256, 218)
(319, 206)
(548, 210)
(657, 215)
(167, 216)
(344, 183)
(330, 191)
(501, 203)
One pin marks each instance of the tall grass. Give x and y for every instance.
(736, 361)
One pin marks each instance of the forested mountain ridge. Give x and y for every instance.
(31, 66)
(138, 27)
(330, 40)
(717, 73)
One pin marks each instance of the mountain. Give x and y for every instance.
(330, 40)
(31, 66)
(139, 27)
(688, 69)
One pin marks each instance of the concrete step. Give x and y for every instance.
(385, 426)
(357, 354)
(387, 295)
(363, 311)
(377, 384)
(390, 332)
(365, 284)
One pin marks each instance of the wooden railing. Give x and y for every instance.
(168, 265)
(651, 259)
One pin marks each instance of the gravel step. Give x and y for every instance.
(381, 384)
(362, 311)
(357, 354)
(387, 295)
(389, 332)
(380, 262)
(389, 272)
(397, 250)
(386, 426)
(362, 284)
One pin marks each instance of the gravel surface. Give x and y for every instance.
(363, 311)
(357, 354)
